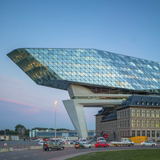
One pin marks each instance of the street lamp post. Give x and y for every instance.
(55, 102)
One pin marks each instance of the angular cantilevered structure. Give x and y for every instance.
(93, 78)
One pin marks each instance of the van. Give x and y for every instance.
(101, 139)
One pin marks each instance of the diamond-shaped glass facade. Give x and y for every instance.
(58, 68)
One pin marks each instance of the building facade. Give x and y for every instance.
(93, 78)
(138, 116)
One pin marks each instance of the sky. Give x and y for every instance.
(128, 27)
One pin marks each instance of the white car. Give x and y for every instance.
(148, 143)
(86, 145)
(40, 143)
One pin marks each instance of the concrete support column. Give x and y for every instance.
(76, 114)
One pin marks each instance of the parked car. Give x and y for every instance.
(92, 141)
(72, 142)
(40, 143)
(50, 145)
(101, 144)
(83, 140)
(80, 145)
(101, 139)
(148, 143)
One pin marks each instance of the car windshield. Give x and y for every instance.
(85, 143)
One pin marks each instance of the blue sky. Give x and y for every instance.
(129, 27)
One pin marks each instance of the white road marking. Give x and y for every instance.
(44, 153)
(26, 156)
(15, 157)
(35, 154)
(12, 153)
(4, 159)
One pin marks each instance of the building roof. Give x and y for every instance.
(141, 101)
(59, 67)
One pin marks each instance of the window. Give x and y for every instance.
(124, 123)
(133, 133)
(158, 133)
(157, 123)
(157, 113)
(148, 133)
(138, 113)
(128, 113)
(133, 113)
(133, 123)
(125, 114)
(152, 123)
(118, 115)
(148, 113)
(138, 133)
(127, 123)
(143, 113)
(143, 123)
(148, 123)
(143, 133)
(122, 114)
(153, 133)
(152, 114)
(138, 123)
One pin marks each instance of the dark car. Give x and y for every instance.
(50, 145)
(101, 144)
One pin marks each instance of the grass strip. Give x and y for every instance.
(141, 154)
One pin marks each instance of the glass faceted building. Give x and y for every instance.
(58, 68)
(93, 78)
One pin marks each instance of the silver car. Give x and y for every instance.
(148, 143)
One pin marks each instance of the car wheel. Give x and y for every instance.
(89, 146)
(107, 146)
(98, 146)
(153, 145)
(45, 149)
(62, 148)
(143, 145)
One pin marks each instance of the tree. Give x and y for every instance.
(27, 132)
(2, 132)
(7, 131)
(18, 126)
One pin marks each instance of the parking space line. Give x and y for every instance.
(15, 157)
(26, 156)
(35, 154)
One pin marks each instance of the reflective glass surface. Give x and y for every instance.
(58, 68)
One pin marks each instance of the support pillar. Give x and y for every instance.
(76, 114)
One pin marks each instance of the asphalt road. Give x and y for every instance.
(40, 154)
